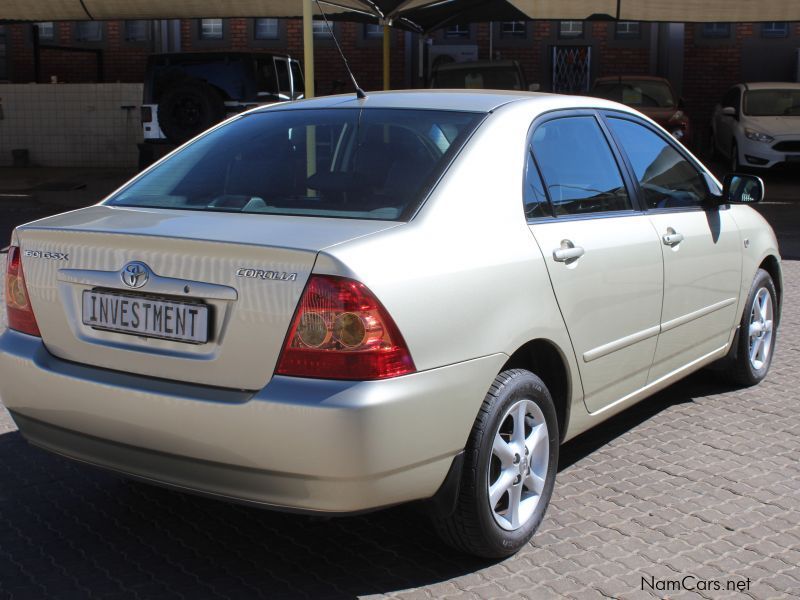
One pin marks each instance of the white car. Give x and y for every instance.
(757, 125)
(342, 304)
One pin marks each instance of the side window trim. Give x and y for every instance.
(667, 139)
(628, 180)
(535, 163)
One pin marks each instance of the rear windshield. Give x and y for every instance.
(505, 78)
(351, 163)
(644, 93)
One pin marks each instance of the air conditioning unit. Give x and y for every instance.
(442, 54)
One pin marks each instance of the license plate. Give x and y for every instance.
(147, 317)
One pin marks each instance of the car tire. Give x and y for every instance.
(519, 411)
(755, 343)
(187, 109)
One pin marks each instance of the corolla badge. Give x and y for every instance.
(135, 274)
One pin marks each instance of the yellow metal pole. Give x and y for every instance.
(387, 56)
(308, 46)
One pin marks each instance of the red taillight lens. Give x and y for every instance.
(341, 331)
(18, 305)
(147, 114)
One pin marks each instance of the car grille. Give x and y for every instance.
(787, 146)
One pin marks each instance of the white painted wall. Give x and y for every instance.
(71, 124)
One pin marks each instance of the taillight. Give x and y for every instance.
(341, 331)
(147, 114)
(18, 305)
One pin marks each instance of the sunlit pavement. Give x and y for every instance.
(699, 483)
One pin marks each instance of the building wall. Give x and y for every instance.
(71, 125)
(714, 64)
(125, 61)
(709, 64)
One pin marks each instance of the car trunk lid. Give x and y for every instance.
(248, 271)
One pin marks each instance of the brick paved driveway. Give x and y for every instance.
(701, 480)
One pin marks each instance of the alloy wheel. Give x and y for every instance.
(518, 465)
(761, 329)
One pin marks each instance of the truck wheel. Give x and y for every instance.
(509, 469)
(189, 108)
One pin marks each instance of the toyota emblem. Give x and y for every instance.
(135, 274)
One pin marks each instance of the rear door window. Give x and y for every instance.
(370, 164)
(578, 167)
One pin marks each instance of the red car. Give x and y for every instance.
(652, 96)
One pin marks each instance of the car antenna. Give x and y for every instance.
(359, 92)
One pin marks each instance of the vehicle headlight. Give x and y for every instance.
(757, 136)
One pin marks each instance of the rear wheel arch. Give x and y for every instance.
(544, 359)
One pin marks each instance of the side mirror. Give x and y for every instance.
(742, 189)
(729, 111)
(681, 103)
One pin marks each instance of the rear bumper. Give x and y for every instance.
(301, 444)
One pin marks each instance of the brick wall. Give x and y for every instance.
(618, 59)
(123, 61)
(710, 68)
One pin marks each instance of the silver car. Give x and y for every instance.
(338, 305)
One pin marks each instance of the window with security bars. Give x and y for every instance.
(628, 29)
(571, 68)
(513, 29)
(570, 29)
(775, 29)
(211, 29)
(89, 31)
(47, 31)
(265, 29)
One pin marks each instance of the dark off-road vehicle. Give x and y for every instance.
(186, 93)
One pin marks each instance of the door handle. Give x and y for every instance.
(672, 238)
(567, 252)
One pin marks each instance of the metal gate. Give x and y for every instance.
(571, 68)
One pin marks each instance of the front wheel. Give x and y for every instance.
(509, 469)
(757, 333)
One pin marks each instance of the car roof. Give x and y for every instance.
(771, 85)
(481, 101)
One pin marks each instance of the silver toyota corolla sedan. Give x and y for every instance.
(339, 305)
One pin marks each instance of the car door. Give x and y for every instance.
(701, 246)
(602, 254)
